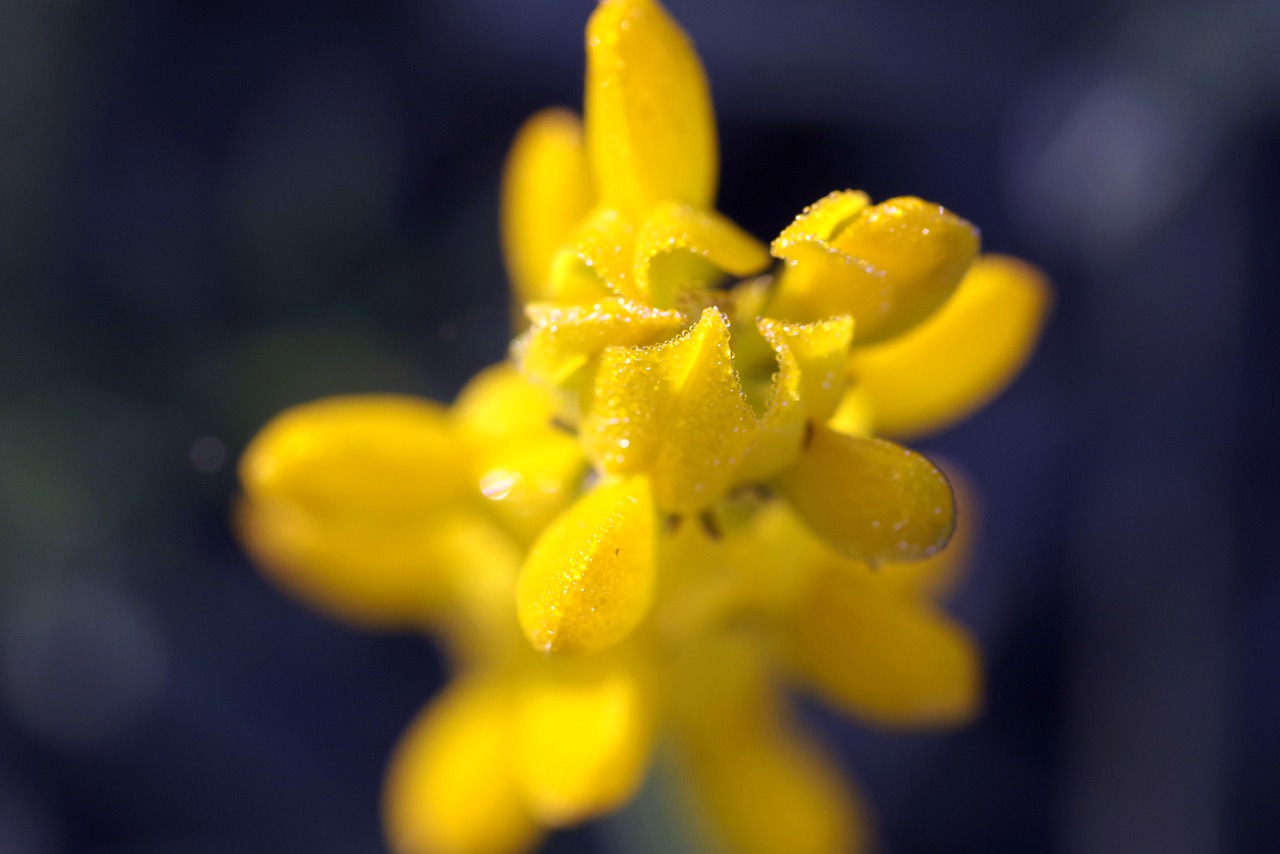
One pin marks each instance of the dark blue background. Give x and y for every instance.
(211, 211)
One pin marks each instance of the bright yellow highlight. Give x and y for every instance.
(961, 357)
(674, 503)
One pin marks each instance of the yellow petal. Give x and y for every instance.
(588, 580)
(347, 499)
(936, 577)
(888, 658)
(675, 234)
(450, 788)
(650, 129)
(853, 415)
(526, 469)
(498, 403)
(806, 387)
(546, 192)
(821, 221)
(378, 455)
(478, 624)
(529, 480)
(870, 499)
(889, 266)
(956, 361)
(371, 574)
(562, 339)
(584, 737)
(596, 260)
(756, 785)
(780, 798)
(674, 411)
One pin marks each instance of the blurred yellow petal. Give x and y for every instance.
(451, 788)
(562, 339)
(651, 133)
(498, 403)
(956, 361)
(673, 235)
(483, 561)
(780, 798)
(889, 266)
(387, 456)
(891, 659)
(528, 480)
(870, 499)
(524, 468)
(674, 411)
(360, 571)
(345, 501)
(584, 737)
(588, 580)
(546, 192)
(816, 354)
(756, 784)
(853, 415)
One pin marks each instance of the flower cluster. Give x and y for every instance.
(673, 504)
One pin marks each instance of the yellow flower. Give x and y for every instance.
(673, 504)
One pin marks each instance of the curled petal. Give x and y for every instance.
(596, 260)
(960, 358)
(546, 191)
(807, 387)
(821, 221)
(651, 132)
(588, 580)
(450, 788)
(674, 411)
(681, 247)
(870, 499)
(890, 659)
(889, 266)
(562, 339)
(584, 732)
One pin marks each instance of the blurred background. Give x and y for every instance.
(212, 211)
